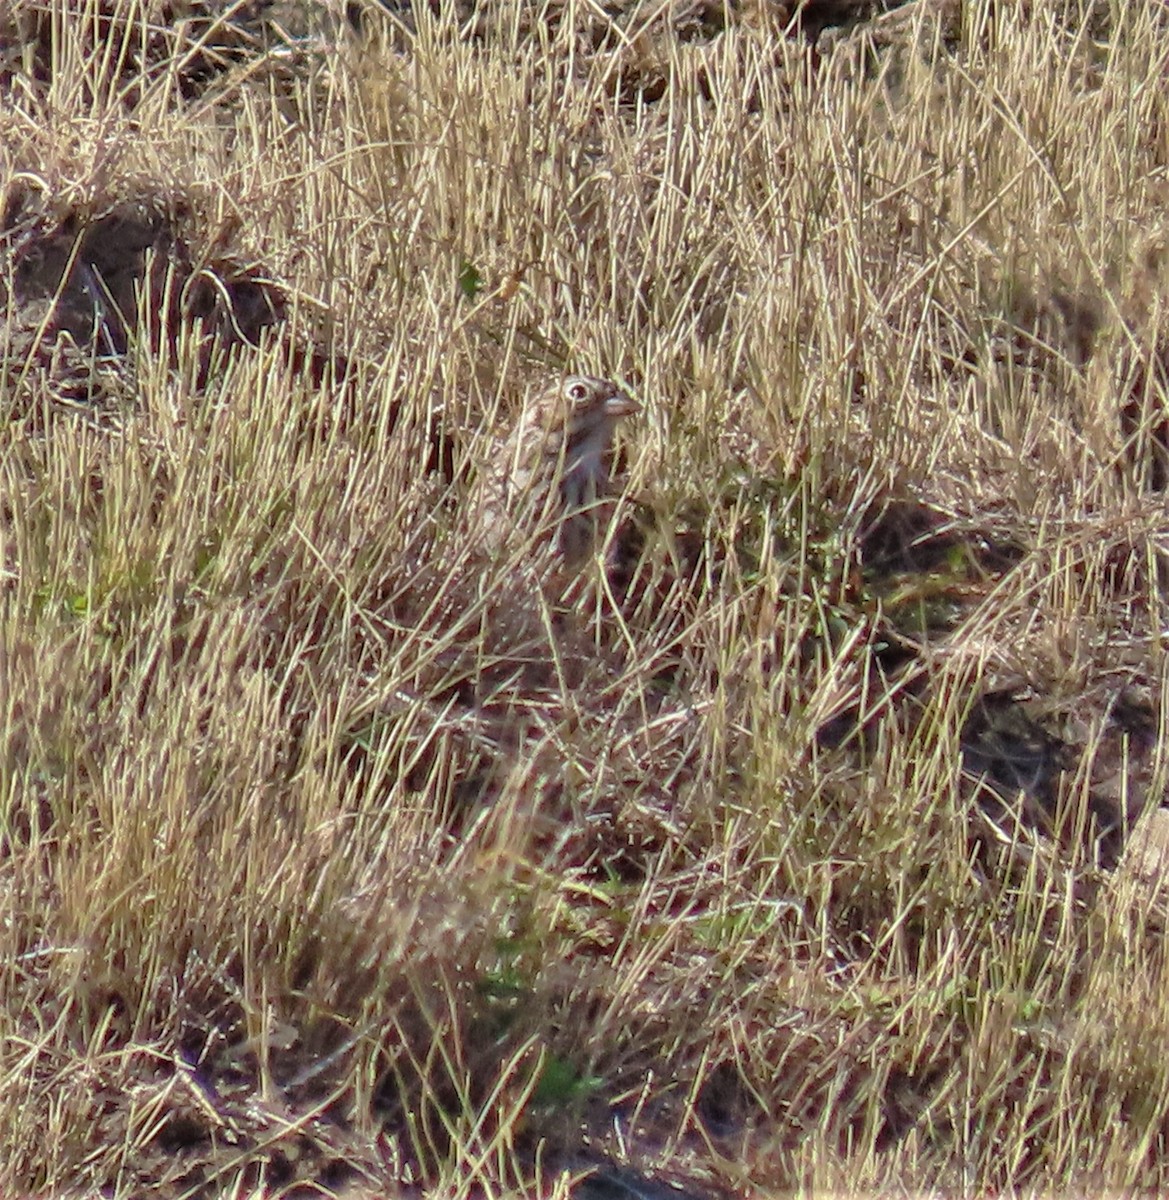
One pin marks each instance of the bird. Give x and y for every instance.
(554, 471)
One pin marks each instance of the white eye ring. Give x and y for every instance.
(578, 390)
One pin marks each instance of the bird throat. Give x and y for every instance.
(584, 470)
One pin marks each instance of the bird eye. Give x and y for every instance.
(578, 391)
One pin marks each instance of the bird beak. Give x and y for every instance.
(621, 405)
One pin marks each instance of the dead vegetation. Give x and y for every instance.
(813, 837)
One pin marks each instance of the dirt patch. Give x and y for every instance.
(82, 287)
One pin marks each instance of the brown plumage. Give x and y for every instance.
(554, 470)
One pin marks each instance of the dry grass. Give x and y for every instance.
(338, 857)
